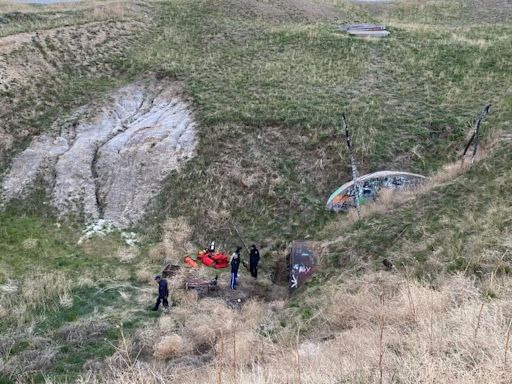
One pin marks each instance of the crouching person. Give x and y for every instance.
(163, 293)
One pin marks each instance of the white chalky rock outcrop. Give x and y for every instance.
(109, 166)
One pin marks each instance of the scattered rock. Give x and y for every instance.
(104, 227)
(99, 228)
(11, 286)
(29, 244)
(130, 238)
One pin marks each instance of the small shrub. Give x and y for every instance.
(169, 347)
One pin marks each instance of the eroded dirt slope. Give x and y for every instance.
(109, 162)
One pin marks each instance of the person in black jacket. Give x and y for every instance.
(235, 263)
(254, 259)
(163, 293)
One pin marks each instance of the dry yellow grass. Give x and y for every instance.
(144, 276)
(42, 289)
(176, 242)
(169, 347)
(109, 10)
(100, 10)
(380, 322)
(126, 254)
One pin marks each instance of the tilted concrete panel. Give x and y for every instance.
(367, 188)
(304, 260)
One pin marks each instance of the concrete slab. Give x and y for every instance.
(368, 33)
(365, 30)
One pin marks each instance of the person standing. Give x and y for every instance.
(235, 264)
(163, 293)
(254, 259)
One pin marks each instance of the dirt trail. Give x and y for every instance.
(110, 163)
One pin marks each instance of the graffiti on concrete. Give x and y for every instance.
(304, 259)
(369, 186)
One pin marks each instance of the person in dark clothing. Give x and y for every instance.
(235, 264)
(254, 259)
(163, 293)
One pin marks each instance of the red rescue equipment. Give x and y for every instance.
(220, 265)
(207, 261)
(201, 254)
(220, 257)
(190, 262)
(217, 260)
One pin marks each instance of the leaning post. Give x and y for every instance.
(355, 174)
(475, 136)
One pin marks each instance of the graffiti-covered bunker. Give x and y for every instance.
(367, 188)
(303, 261)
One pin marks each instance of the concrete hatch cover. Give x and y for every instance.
(366, 30)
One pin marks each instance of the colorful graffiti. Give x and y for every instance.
(367, 188)
(304, 259)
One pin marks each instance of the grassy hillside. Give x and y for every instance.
(268, 81)
(463, 225)
(270, 90)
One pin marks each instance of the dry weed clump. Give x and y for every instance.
(126, 254)
(39, 356)
(121, 274)
(396, 298)
(167, 324)
(158, 252)
(239, 348)
(169, 347)
(197, 323)
(83, 331)
(215, 309)
(189, 298)
(144, 276)
(144, 339)
(176, 241)
(41, 290)
(252, 314)
(201, 331)
(108, 11)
